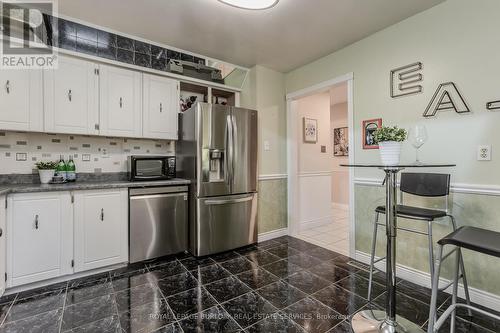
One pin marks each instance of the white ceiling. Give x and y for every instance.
(293, 33)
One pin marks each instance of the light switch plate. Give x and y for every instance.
(484, 153)
(267, 146)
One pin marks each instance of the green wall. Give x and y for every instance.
(457, 41)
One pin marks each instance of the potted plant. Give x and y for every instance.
(389, 140)
(46, 170)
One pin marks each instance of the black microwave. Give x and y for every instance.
(151, 167)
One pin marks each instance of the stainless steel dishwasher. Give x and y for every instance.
(158, 222)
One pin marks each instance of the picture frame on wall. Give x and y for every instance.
(341, 141)
(369, 127)
(310, 130)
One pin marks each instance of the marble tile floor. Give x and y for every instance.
(334, 235)
(281, 285)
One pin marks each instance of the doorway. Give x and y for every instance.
(320, 193)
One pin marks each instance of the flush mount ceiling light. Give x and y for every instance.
(251, 4)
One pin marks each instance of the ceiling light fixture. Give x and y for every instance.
(251, 4)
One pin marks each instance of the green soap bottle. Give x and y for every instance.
(61, 168)
(71, 170)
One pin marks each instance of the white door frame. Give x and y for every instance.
(293, 137)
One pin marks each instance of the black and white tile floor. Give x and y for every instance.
(282, 285)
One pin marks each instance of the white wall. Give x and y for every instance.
(340, 175)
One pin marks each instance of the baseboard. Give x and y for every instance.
(478, 296)
(305, 225)
(35, 285)
(272, 234)
(336, 205)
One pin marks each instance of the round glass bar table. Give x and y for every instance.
(373, 321)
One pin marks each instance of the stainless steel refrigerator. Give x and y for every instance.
(217, 151)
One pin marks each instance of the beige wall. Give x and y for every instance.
(311, 159)
(264, 90)
(340, 175)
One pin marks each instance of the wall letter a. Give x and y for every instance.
(446, 97)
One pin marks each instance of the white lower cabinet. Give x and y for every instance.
(3, 245)
(52, 234)
(101, 228)
(39, 238)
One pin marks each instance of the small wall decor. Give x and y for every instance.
(340, 141)
(404, 80)
(493, 105)
(446, 97)
(369, 127)
(310, 129)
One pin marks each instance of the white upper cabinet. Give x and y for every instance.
(71, 97)
(21, 100)
(39, 239)
(161, 107)
(120, 102)
(101, 228)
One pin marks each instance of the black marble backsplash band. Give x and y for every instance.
(80, 38)
(18, 179)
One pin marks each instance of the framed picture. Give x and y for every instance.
(310, 127)
(340, 141)
(370, 126)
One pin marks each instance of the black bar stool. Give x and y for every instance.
(423, 185)
(471, 238)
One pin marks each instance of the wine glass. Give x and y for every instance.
(418, 136)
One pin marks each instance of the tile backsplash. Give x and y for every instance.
(19, 151)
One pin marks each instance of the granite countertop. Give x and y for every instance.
(84, 185)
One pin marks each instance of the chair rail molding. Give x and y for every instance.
(273, 176)
(480, 189)
(315, 173)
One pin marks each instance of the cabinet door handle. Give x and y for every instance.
(7, 86)
(161, 107)
(121, 102)
(36, 221)
(102, 214)
(1, 232)
(70, 95)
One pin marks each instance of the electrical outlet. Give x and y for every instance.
(484, 153)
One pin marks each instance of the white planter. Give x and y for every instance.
(46, 175)
(390, 151)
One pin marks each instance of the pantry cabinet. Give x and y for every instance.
(161, 107)
(40, 237)
(101, 228)
(3, 244)
(21, 101)
(71, 97)
(120, 101)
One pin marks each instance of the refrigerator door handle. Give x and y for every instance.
(228, 201)
(230, 149)
(234, 151)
